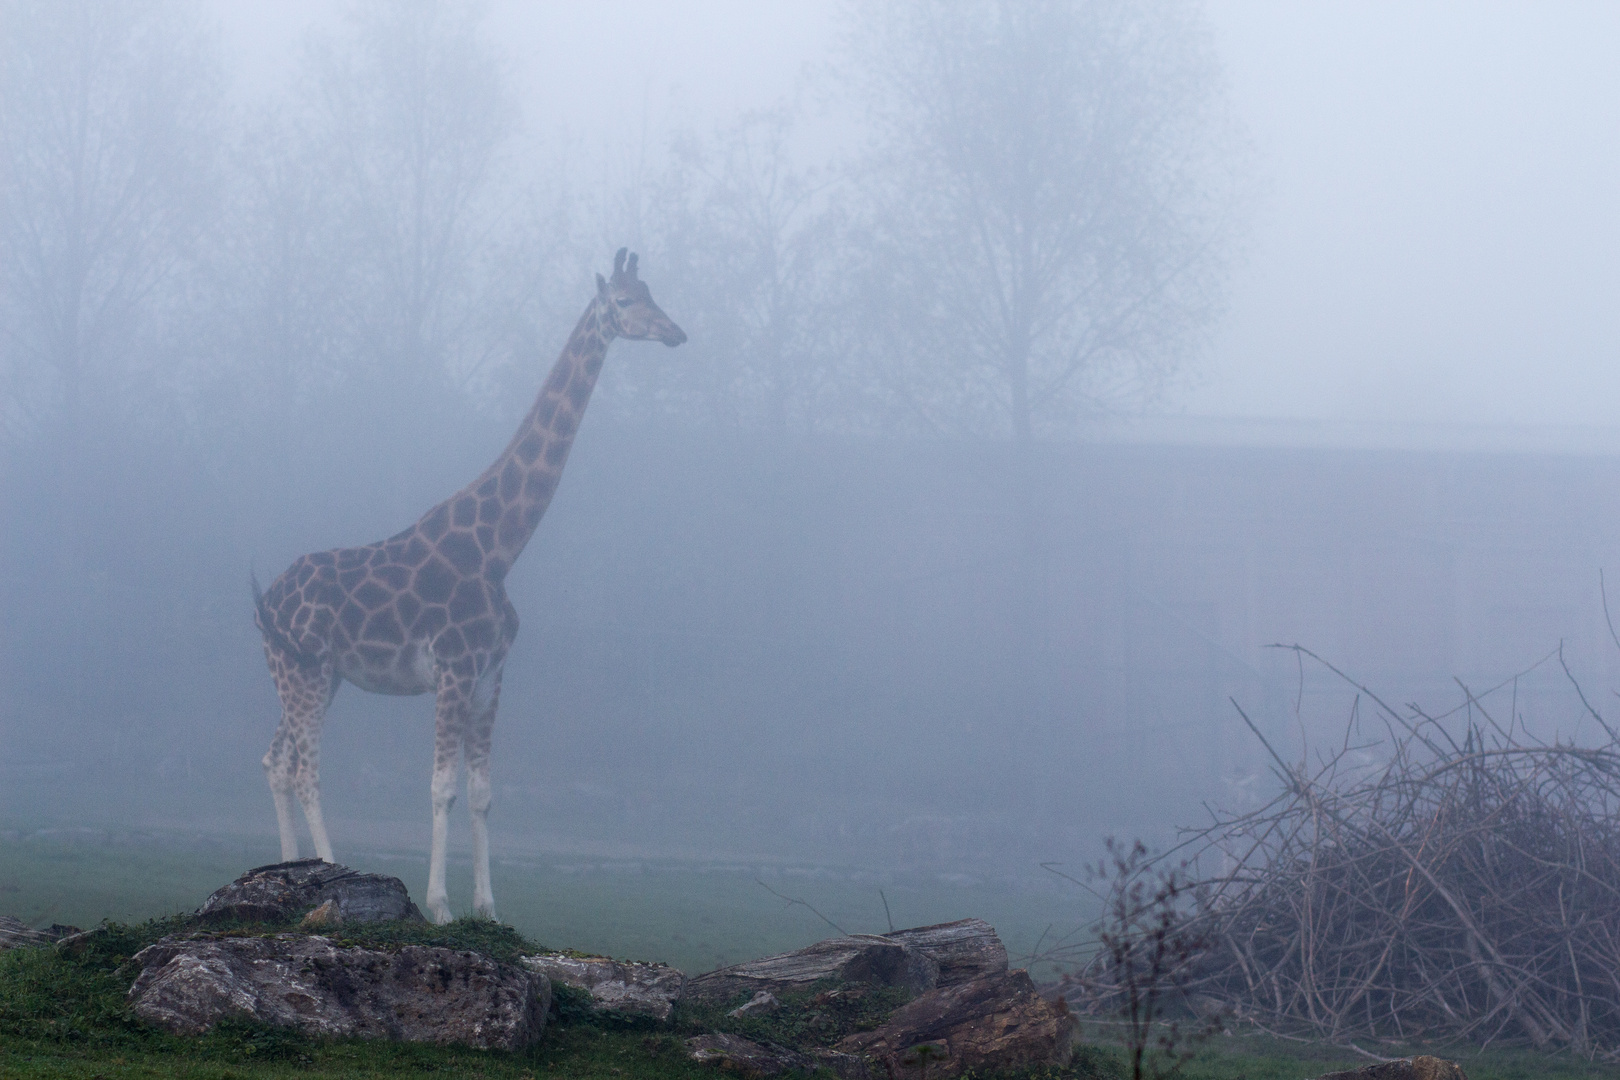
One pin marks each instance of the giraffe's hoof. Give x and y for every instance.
(439, 911)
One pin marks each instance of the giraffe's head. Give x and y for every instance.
(630, 310)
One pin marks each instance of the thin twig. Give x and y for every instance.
(791, 901)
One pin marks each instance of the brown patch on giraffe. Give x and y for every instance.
(416, 552)
(465, 513)
(539, 486)
(511, 482)
(579, 392)
(462, 551)
(408, 607)
(450, 644)
(432, 619)
(544, 412)
(395, 576)
(468, 601)
(371, 595)
(487, 488)
(510, 530)
(384, 626)
(374, 656)
(480, 634)
(434, 581)
(434, 525)
(529, 448)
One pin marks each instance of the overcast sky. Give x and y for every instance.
(1438, 233)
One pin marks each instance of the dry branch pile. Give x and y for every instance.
(1455, 883)
(1464, 887)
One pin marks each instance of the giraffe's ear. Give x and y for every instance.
(630, 267)
(601, 285)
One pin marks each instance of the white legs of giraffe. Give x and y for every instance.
(479, 737)
(293, 763)
(464, 724)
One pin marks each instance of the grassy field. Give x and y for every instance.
(696, 916)
(63, 1018)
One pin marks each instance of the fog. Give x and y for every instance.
(1047, 365)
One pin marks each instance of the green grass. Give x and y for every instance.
(62, 1011)
(694, 916)
(817, 1016)
(62, 1014)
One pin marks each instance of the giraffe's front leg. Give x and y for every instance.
(480, 734)
(451, 714)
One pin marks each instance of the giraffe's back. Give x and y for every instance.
(387, 615)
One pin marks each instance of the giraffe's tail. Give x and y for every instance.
(272, 633)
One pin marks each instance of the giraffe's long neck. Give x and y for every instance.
(511, 496)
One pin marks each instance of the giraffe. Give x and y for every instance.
(425, 611)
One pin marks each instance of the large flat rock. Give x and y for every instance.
(414, 994)
(619, 986)
(997, 1023)
(964, 950)
(858, 958)
(744, 1057)
(282, 891)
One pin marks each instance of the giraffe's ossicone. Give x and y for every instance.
(425, 611)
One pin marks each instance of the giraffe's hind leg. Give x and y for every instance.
(293, 763)
(278, 770)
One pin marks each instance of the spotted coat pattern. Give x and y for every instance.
(426, 611)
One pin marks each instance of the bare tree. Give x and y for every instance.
(750, 233)
(108, 124)
(1049, 203)
(407, 119)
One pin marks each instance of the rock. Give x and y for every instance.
(618, 986)
(734, 1053)
(761, 1003)
(282, 891)
(1421, 1067)
(325, 915)
(737, 1054)
(416, 994)
(964, 950)
(847, 1066)
(859, 958)
(996, 1023)
(15, 932)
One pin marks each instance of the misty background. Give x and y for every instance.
(1048, 362)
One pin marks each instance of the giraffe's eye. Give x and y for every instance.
(623, 301)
